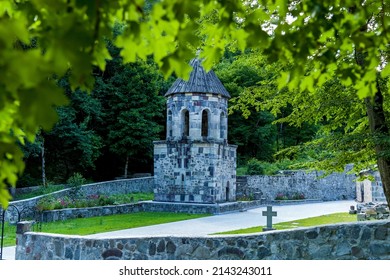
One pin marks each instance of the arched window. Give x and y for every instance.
(186, 123)
(227, 191)
(205, 123)
(222, 126)
(169, 124)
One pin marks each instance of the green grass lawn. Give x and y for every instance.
(9, 234)
(308, 222)
(85, 226)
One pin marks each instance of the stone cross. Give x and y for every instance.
(269, 214)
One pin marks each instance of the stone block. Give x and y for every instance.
(230, 253)
(379, 249)
(357, 252)
(381, 233)
(343, 249)
(170, 247)
(112, 254)
(263, 252)
(23, 227)
(361, 217)
(312, 234)
(323, 252)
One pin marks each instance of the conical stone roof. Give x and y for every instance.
(200, 81)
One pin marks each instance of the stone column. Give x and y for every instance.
(21, 229)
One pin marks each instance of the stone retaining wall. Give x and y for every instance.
(145, 185)
(74, 213)
(27, 206)
(17, 191)
(196, 208)
(362, 240)
(145, 206)
(336, 186)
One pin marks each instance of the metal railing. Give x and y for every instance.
(15, 216)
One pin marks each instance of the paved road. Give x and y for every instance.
(232, 221)
(223, 222)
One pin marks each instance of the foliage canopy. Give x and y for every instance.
(41, 40)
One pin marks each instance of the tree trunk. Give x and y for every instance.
(379, 129)
(126, 166)
(377, 122)
(43, 162)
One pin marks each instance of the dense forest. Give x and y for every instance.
(105, 133)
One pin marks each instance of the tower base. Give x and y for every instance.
(194, 171)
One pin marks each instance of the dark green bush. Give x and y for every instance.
(255, 167)
(76, 180)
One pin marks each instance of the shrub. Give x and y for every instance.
(105, 200)
(64, 202)
(247, 198)
(298, 196)
(255, 167)
(281, 196)
(81, 203)
(242, 170)
(287, 196)
(76, 180)
(46, 203)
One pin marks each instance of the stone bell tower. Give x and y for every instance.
(195, 163)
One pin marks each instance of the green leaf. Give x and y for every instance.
(241, 36)
(5, 196)
(101, 55)
(307, 84)
(283, 80)
(385, 71)
(129, 47)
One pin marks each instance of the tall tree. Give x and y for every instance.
(254, 134)
(250, 78)
(73, 144)
(133, 109)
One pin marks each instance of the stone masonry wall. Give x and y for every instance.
(336, 186)
(145, 206)
(124, 186)
(196, 208)
(361, 240)
(74, 213)
(200, 172)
